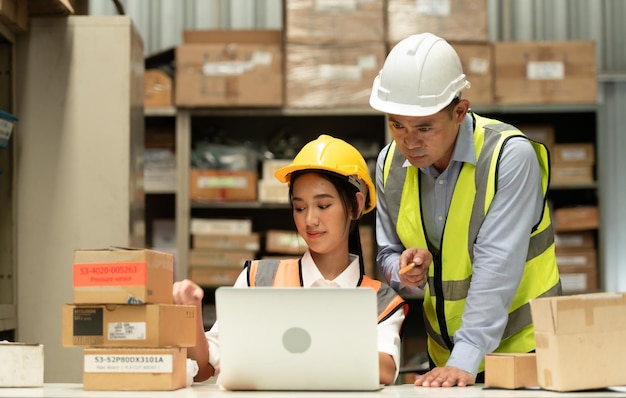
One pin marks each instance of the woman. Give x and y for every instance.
(329, 190)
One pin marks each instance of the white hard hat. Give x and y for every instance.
(421, 75)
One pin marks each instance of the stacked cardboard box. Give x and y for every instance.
(336, 65)
(538, 72)
(134, 337)
(573, 163)
(270, 189)
(220, 249)
(229, 68)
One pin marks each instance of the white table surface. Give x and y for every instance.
(58, 390)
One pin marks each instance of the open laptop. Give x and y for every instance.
(297, 339)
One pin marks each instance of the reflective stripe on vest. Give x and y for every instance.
(286, 273)
(450, 276)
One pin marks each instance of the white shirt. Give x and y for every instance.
(388, 330)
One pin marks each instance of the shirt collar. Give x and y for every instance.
(348, 278)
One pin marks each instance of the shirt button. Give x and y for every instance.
(440, 218)
(441, 182)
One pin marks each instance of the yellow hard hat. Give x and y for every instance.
(335, 155)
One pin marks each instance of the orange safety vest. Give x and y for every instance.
(288, 273)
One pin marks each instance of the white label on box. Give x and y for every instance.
(571, 240)
(222, 182)
(127, 331)
(367, 62)
(573, 282)
(227, 68)
(478, 66)
(571, 260)
(128, 363)
(574, 154)
(323, 5)
(545, 71)
(262, 58)
(340, 72)
(440, 8)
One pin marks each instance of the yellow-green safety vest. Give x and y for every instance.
(450, 275)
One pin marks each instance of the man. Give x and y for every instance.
(471, 191)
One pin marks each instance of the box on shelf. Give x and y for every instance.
(535, 72)
(124, 325)
(15, 15)
(477, 62)
(576, 341)
(22, 364)
(214, 276)
(454, 20)
(216, 226)
(251, 242)
(158, 88)
(331, 74)
(287, 242)
(578, 279)
(122, 276)
(7, 122)
(269, 167)
(581, 154)
(576, 218)
(223, 185)
(570, 175)
(219, 258)
(229, 68)
(574, 240)
(273, 192)
(511, 371)
(543, 133)
(136, 369)
(343, 21)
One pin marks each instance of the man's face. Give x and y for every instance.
(428, 140)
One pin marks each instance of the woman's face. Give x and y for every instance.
(319, 214)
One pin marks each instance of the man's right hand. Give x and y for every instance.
(414, 275)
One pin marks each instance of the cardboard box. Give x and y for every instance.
(136, 369)
(223, 185)
(571, 175)
(273, 192)
(15, 15)
(287, 242)
(214, 276)
(331, 74)
(342, 21)
(511, 371)
(22, 364)
(124, 325)
(543, 72)
(578, 279)
(219, 258)
(579, 341)
(577, 218)
(574, 240)
(582, 154)
(543, 133)
(270, 166)
(158, 88)
(224, 68)
(454, 20)
(250, 243)
(215, 226)
(477, 62)
(122, 276)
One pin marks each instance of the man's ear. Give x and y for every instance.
(461, 109)
(360, 200)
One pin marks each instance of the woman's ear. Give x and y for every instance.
(360, 200)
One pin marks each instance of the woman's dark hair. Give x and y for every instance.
(347, 193)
